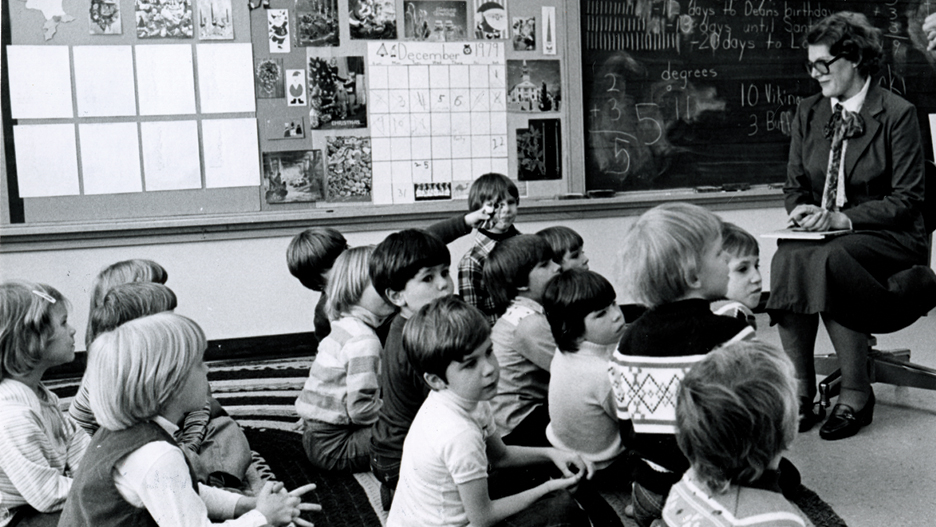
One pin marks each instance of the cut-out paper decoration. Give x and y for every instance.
(549, 30)
(523, 30)
(271, 83)
(296, 88)
(40, 82)
(225, 78)
(165, 79)
(435, 20)
(104, 17)
(278, 30)
(214, 20)
(232, 157)
(164, 18)
(104, 81)
(317, 22)
(533, 85)
(170, 155)
(372, 19)
(46, 160)
(336, 92)
(490, 20)
(110, 158)
(349, 169)
(53, 13)
(293, 176)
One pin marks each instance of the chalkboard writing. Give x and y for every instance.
(702, 92)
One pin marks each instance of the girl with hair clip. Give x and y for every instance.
(148, 373)
(340, 401)
(40, 448)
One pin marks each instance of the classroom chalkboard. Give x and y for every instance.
(701, 93)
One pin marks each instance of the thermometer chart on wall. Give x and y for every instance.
(437, 116)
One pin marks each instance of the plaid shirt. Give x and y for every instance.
(470, 274)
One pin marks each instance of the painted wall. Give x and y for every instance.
(242, 288)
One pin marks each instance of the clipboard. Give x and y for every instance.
(800, 234)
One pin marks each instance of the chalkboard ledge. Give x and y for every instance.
(115, 233)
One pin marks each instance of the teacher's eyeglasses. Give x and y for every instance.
(822, 66)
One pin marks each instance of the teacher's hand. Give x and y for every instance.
(813, 218)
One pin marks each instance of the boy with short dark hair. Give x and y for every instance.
(516, 274)
(497, 194)
(453, 439)
(567, 247)
(409, 269)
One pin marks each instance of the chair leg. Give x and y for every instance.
(888, 367)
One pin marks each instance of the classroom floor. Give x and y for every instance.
(885, 475)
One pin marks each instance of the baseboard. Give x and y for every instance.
(247, 348)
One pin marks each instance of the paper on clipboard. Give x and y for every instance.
(800, 234)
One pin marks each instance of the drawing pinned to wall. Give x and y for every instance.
(214, 20)
(435, 21)
(524, 33)
(336, 92)
(296, 88)
(270, 81)
(372, 19)
(164, 18)
(533, 86)
(539, 151)
(104, 16)
(317, 22)
(549, 30)
(433, 191)
(278, 30)
(293, 176)
(293, 129)
(350, 173)
(53, 12)
(491, 20)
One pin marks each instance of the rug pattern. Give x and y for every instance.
(260, 396)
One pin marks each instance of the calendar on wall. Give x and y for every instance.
(437, 116)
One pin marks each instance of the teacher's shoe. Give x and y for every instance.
(845, 421)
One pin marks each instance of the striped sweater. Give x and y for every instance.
(342, 387)
(40, 449)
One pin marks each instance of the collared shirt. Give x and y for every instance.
(471, 273)
(156, 476)
(854, 105)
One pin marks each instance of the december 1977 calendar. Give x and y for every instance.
(438, 117)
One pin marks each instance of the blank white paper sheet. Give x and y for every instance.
(110, 158)
(104, 81)
(170, 155)
(166, 79)
(40, 82)
(232, 157)
(225, 78)
(46, 160)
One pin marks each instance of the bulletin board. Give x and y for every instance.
(701, 93)
(135, 109)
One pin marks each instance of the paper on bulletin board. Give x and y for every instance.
(170, 155)
(46, 160)
(110, 158)
(165, 79)
(225, 78)
(232, 157)
(104, 81)
(932, 120)
(40, 82)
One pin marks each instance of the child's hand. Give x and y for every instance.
(282, 508)
(571, 464)
(480, 219)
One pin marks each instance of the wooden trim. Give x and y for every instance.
(152, 231)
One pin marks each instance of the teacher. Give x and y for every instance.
(856, 164)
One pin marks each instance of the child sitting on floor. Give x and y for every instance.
(744, 278)
(212, 442)
(147, 374)
(341, 398)
(567, 247)
(672, 262)
(134, 270)
(40, 447)
(587, 324)
(453, 439)
(496, 194)
(409, 268)
(736, 412)
(516, 274)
